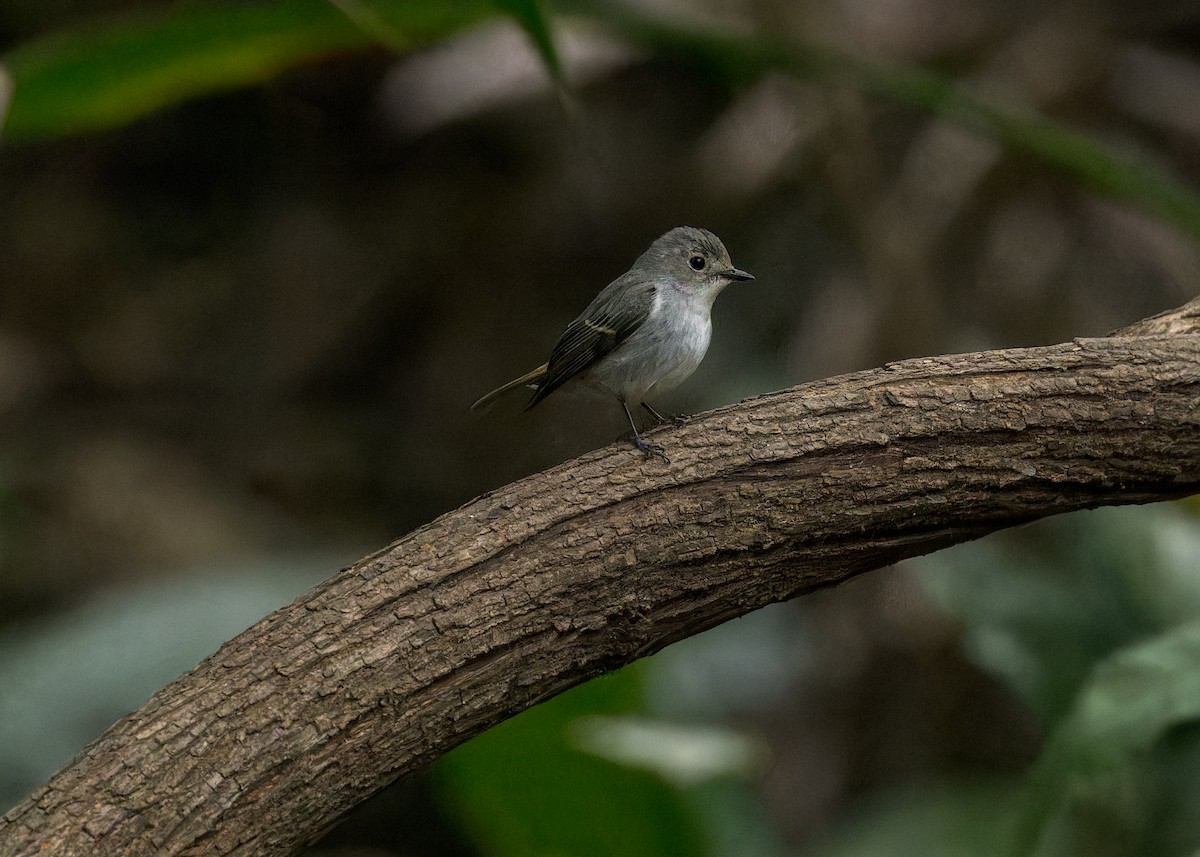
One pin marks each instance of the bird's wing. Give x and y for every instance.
(611, 318)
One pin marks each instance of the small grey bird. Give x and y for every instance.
(645, 333)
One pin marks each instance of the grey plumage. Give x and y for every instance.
(646, 331)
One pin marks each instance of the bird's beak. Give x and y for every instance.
(738, 274)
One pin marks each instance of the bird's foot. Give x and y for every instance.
(650, 450)
(675, 419)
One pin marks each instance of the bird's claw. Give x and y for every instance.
(650, 450)
(675, 419)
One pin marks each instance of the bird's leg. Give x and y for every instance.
(677, 419)
(648, 449)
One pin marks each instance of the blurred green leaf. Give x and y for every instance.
(1042, 606)
(524, 788)
(530, 15)
(1096, 618)
(964, 819)
(1089, 790)
(97, 77)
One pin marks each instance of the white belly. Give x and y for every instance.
(659, 356)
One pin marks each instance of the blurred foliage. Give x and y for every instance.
(254, 321)
(84, 80)
(590, 773)
(1094, 790)
(532, 16)
(1095, 619)
(67, 677)
(526, 788)
(81, 81)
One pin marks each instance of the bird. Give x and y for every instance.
(644, 333)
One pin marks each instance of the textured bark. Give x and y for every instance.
(569, 573)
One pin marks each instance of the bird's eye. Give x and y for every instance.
(697, 263)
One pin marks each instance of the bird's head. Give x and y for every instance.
(693, 260)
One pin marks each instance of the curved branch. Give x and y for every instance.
(537, 586)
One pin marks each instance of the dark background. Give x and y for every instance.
(239, 337)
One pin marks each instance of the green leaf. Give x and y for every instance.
(1118, 777)
(952, 819)
(102, 76)
(1090, 787)
(532, 18)
(525, 788)
(92, 78)
(1043, 606)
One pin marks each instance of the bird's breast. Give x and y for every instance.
(659, 355)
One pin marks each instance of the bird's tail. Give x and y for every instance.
(529, 379)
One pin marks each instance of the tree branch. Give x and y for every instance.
(540, 585)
